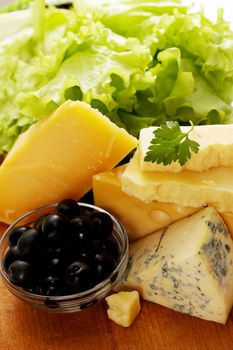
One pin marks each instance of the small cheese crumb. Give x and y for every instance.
(124, 307)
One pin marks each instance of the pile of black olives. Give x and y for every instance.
(63, 252)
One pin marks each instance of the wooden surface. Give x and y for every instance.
(23, 327)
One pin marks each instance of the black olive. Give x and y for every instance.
(55, 227)
(82, 233)
(102, 225)
(20, 272)
(51, 286)
(108, 246)
(103, 265)
(39, 221)
(30, 244)
(69, 208)
(15, 234)
(78, 275)
(10, 256)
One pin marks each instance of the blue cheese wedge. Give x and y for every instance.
(213, 187)
(187, 267)
(216, 149)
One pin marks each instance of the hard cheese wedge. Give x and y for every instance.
(56, 158)
(187, 267)
(216, 149)
(213, 187)
(138, 217)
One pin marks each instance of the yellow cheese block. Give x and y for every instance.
(213, 187)
(124, 307)
(138, 217)
(57, 157)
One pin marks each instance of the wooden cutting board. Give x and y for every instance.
(156, 328)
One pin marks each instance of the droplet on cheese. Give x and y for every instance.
(216, 149)
(187, 267)
(138, 217)
(57, 157)
(160, 216)
(213, 187)
(124, 307)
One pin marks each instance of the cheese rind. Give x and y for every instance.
(213, 187)
(216, 149)
(57, 157)
(187, 267)
(124, 307)
(139, 218)
(228, 220)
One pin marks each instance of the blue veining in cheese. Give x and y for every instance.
(187, 267)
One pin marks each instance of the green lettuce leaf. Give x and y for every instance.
(140, 15)
(141, 63)
(15, 5)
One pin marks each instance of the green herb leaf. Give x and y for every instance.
(171, 144)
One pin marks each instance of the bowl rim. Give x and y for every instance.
(98, 288)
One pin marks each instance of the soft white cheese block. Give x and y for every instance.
(216, 149)
(187, 267)
(213, 187)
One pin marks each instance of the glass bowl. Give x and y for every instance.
(73, 302)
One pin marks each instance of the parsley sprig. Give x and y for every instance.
(171, 144)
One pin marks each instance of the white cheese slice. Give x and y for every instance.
(187, 267)
(212, 187)
(216, 149)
